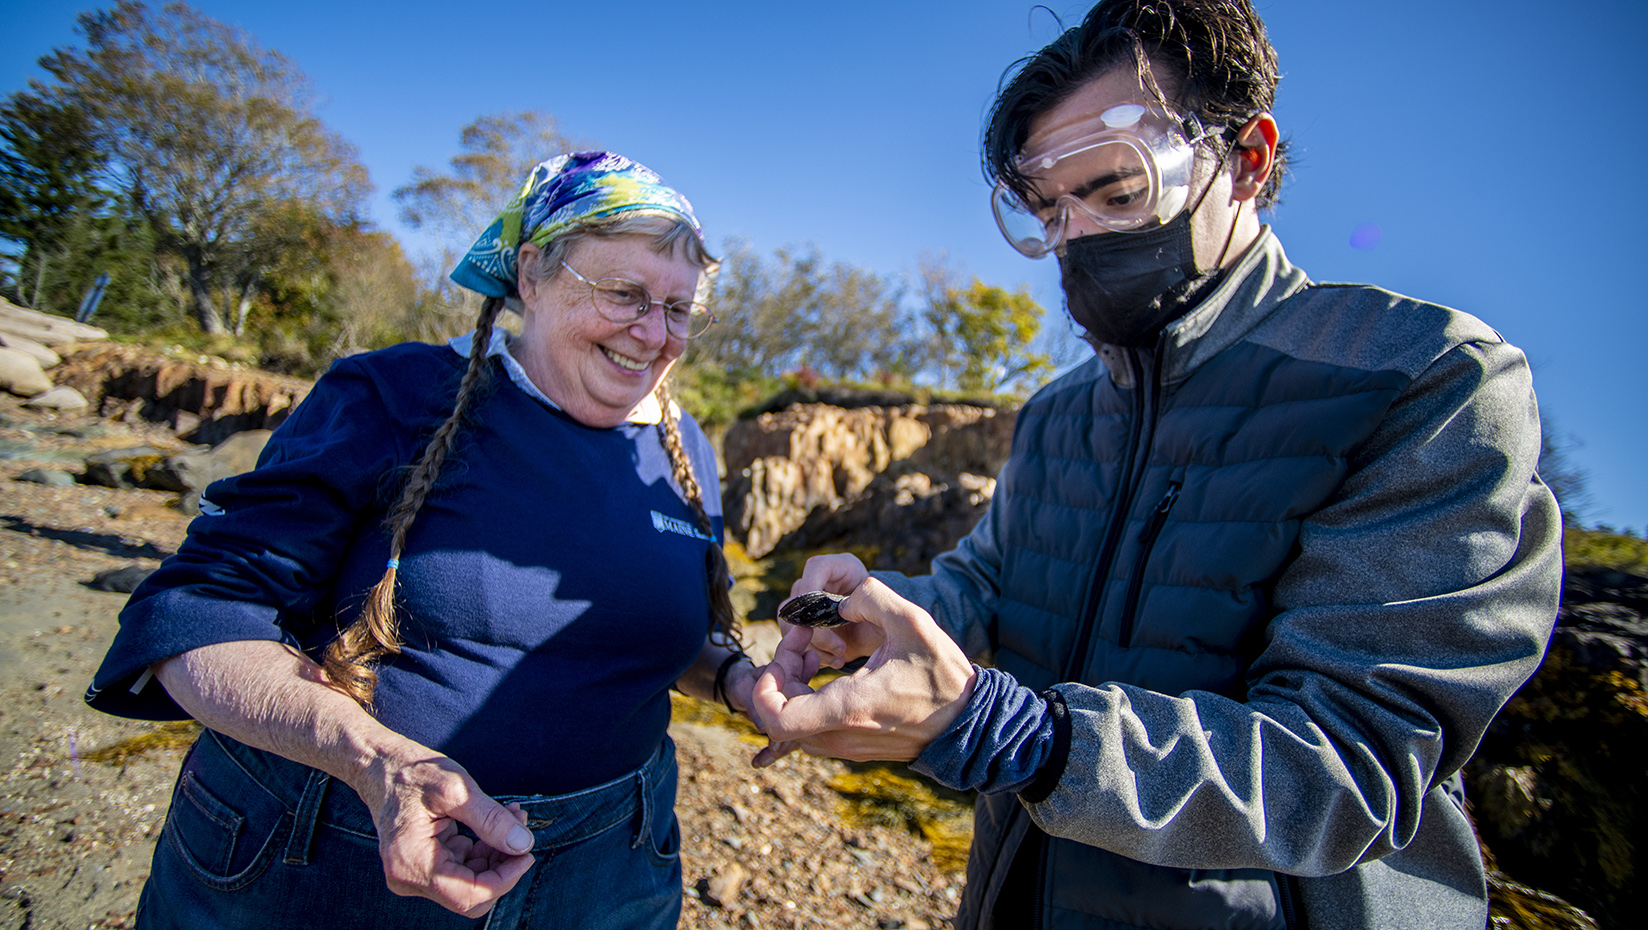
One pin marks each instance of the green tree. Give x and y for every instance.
(455, 204)
(795, 310)
(62, 227)
(857, 325)
(763, 308)
(377, 296)
(207, 134)
(982, 334)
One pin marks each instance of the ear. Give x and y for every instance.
(1255, 156)
(525, 283)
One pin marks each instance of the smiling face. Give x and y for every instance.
(598, 371)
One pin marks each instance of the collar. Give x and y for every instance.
(1260, 281)
(647, 413)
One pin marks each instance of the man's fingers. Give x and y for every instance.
(791, 710)
(767, 697)
(772, 752)
(804, 715)
(838, 573)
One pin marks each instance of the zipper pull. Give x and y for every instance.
(1154, 525)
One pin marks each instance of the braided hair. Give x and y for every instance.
(350, 660)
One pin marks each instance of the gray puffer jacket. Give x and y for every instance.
(1282, 571)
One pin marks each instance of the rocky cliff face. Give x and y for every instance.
(1560, 783)
(909, 479)
(201, 401)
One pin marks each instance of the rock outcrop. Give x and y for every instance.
(202, 400)
(862, 476)
(1560, 784)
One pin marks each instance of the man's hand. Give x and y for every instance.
(839, 573)
(914, 685)
(417, 807)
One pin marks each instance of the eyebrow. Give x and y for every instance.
(1103, 180)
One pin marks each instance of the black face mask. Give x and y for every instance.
(1125, 288)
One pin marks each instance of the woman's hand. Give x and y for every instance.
(417, 805)
(740, 686)
(271, 696)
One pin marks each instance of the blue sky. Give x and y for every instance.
(1497, 146)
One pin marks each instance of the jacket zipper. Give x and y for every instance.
(1145, 409)
(1144, 425)
(1039, 898)
(1284, 891)
(1147, 542)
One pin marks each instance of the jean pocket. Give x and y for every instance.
(663, 829)
(226, 845)
(665, 841)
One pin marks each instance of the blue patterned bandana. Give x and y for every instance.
(561, 193)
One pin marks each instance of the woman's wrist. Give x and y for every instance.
(741, 685)
(733, 681)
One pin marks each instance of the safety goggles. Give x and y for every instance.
(1126, 168)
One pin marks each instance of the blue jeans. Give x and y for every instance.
(256, 840)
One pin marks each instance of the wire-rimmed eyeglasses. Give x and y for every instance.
(623, 301)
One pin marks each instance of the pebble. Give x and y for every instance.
(723, 888)
(47, 476)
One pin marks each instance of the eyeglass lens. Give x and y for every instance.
(624, 301)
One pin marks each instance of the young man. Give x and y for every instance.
(1255, 578)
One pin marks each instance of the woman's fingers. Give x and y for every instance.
(424, 854)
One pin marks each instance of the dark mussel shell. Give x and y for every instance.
(817, 609)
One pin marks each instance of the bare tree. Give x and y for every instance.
(497, 152)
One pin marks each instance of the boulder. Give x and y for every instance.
(21, 374)
(45, 328)
(135, 467)
(58, 398)
(47, 476)
(193, 471)
(120, 580)
(46, 357)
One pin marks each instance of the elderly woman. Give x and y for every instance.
(432, 635)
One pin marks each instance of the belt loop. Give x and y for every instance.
(304, 818)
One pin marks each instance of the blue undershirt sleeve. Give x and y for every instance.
(1005, 740)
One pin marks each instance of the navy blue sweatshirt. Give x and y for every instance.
(552, 587)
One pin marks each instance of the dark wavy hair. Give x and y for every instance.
(1212, 56)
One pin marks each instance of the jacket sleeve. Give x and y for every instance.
(962, 591)
(266, 545)
(1420, 599)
